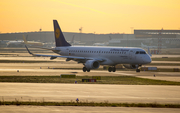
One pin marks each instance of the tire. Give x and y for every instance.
(137, 70)
(84, 69)
(109, 69)
(88, 70)
(114, 69)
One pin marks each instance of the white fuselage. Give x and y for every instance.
(111, 55)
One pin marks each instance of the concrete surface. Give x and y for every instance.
(89, 92)
(56, 69)
(72, 109)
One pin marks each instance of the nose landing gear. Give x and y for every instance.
(138, 70)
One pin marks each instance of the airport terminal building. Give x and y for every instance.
(163, 38)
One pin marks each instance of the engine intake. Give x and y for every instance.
(92, 64)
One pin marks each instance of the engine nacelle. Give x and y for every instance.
(92, 64)
(130, 66)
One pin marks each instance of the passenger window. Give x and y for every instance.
(137, 52)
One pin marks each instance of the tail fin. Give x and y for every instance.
(142, 44)
(25, 41)
(59, 37)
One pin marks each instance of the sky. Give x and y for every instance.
(94, 16)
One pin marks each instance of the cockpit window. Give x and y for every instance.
(142, 52)
(137, 52)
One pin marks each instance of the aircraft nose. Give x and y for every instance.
(148, 59)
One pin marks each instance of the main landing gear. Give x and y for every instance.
(85, 69)
(112, 69)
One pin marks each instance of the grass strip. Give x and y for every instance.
(102, 104)
(122, 80)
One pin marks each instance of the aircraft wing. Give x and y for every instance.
(82, 59)
(52, 49)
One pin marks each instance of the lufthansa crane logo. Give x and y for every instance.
(57, 33)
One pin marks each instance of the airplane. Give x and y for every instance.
(92, 57)
(102, 44)
(3, 43)
(15, 43)
(145, 46)
(75, 43)
(152, 47)
(72, 41)
(32, 43)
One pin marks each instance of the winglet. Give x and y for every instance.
(28, 50)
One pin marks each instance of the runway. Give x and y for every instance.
(73, 109)
(90, 92)
(85, 92)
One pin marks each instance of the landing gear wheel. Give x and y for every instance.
(137, 70)
(109, 69)
(88, 70)
(114, 69)
(84, 69)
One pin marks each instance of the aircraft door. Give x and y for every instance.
(67, 52)
(131, 52)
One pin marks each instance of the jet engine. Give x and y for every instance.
(130, 66)
(92, 64)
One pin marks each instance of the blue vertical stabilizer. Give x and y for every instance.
(59, 37)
